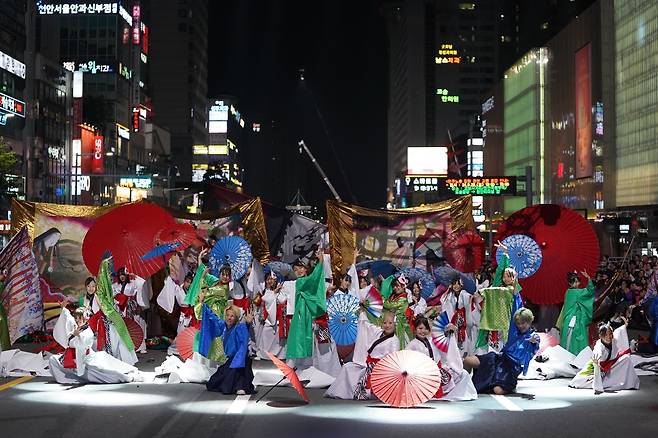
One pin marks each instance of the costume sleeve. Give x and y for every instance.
(310, 303)
(387, 287)
(106, 303)
(241, 334)
(211, 327)
(64, 327)
(195, 287)
(500, 270)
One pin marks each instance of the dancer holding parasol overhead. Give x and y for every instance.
(576, 314)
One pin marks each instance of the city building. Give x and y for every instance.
(219, 161)
(443, 55)
(13, 109)
(106, 47)
(179, 75)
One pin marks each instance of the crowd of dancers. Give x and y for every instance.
(489, 339)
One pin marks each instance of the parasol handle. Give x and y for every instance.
(271, 388)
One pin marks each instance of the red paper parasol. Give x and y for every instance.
(464, 251)
(184, 234)
(290, 374)
(127, 233)
(185, 342)
(567, 241)
(405, 379)
(134, 331)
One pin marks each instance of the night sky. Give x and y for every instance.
(255, 49)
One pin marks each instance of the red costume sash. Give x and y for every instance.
(459, 320)
(606, 365)
(242, 303)
(97, 325)
(370, 361)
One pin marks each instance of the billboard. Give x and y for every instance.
(481, 186)
(87, 151)
(426, 160)
(583, 81)
(97, 161)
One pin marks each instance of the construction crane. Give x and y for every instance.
(303, 146)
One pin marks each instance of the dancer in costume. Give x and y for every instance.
(372, 344)
(460, 307)
(576, 314)
(611, 367)
(130, 294)
(417, 303)
(456, 383)
(88, 301)
(497, 306)
(235, 376)
(106, 323)
(80, 363)
(394, 292)
(213, 292)
(173, 293)
(275, 324)
(309, 343)
(498, 372)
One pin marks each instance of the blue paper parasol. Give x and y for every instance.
(445, 274)
(161, 250)
(341, 310)
(378, 267)
(424, 279)
(281, 268)
(233, 251)
(438, 332)
(524, 254)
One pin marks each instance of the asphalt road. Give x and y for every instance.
(37, 407)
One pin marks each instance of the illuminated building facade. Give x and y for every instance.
(219, 161)
(106, 46)
(179, 75)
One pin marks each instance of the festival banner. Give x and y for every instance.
(409, 237)
(291, 236)
(583, 123)
(58, 231)
(20, 298)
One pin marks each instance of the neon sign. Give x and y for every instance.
(12, 106)
(447, 55)
(135, 25)
(75, 8)
(12, 65)
(443, 92)
(491, 185)
(87, 67)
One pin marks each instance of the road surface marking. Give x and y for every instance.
(15, 382)
(507, 403)
(239, 404)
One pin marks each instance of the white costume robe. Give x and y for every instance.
(419, 308)
(346, 383)
(621, 375)
(269, 340)
(556, 363)
(460, 387)
(91, 366)
(450, 304)
(172, 293)
(92, 308)
(136, 289)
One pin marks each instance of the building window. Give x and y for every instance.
(467, 6)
